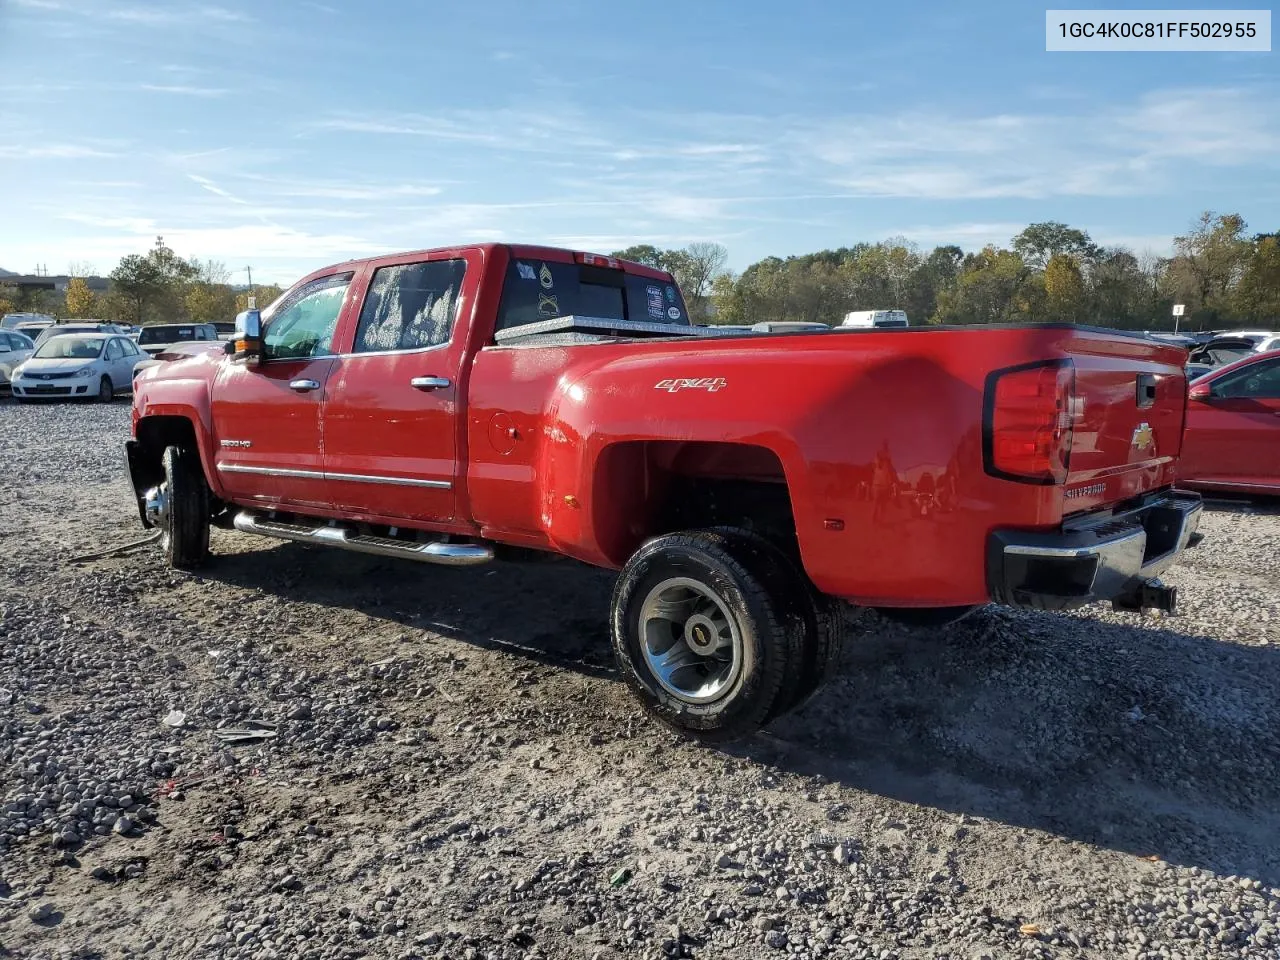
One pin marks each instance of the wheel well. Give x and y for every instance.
(646, 488)
(153, 435)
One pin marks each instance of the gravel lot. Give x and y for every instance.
(456, 772)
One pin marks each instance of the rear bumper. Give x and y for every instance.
(1110, 557)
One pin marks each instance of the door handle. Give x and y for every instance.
(429, 383)
(303, 386)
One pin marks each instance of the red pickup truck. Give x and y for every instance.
(462, 404)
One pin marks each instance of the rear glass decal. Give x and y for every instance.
(526, 271)
(671, 294)
(548, 306)
(673, 313)
(653, 297)
(545, 278)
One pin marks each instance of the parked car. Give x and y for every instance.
(875, 318)
(1229, 347)
(226, 329)
(77, 326)
(11, 321)
(477, 401)
(155, 337)
(84, 365)
(15, 347)
(33, 328)
(1232, 438)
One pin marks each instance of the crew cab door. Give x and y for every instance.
(266, 417)
(1233, 435)
(392, 407)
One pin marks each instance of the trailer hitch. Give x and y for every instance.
(1147, 595)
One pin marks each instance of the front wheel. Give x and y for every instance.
(179, 507)
(106, 392)
(700, 636)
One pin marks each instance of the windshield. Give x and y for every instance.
(69, 348)
(166, 334)
(537, 290)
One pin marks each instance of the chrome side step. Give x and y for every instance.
(448, 554)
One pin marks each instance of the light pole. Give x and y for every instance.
(253, 300)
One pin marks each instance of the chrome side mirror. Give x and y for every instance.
(248, 340)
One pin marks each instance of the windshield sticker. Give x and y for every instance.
(673, 313)
(671, 294)
(545, 278)
(526, 271)
(548, 306)
(654, 297)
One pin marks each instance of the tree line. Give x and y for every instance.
(156, 287)
(1224, 277)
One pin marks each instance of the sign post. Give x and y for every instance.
(1178, 310)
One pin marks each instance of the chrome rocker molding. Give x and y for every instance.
(447, 554)
(323, 475)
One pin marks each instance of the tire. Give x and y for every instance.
(821, 620)
(925, 618)
(106, 391)
(184, 521)
(720, 589)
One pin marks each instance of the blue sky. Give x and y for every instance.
(291, 133)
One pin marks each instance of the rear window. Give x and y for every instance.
(167, 334)
(537, 290)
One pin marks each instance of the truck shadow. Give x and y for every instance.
(1125, 735)
(1132, 736)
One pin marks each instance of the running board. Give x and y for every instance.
(448, 554)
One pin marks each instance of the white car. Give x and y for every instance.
(84, 365)
(14, 348)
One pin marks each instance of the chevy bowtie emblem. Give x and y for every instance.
(1143, 436)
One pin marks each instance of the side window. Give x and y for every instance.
(303, 324)
(131, 348)
(113, 350)
(410, 306)
(6, 344)
(1258, 381)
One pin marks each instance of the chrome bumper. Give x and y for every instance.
(1114, 557)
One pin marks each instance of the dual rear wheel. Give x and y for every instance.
(718, 632)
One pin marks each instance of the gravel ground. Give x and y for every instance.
(456, 772)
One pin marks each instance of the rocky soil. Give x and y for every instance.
(301, 753)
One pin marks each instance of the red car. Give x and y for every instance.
(1232, 439)
(450, 405)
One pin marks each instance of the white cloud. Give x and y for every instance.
(60, 151)
(207, 184)
(177, 13)
(184, 90)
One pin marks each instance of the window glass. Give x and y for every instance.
(537, 290)
(130, 348)
(410, 306)
(21, 342)
(303, 324)
(113, 350)
(6, 343)
(1257, 381)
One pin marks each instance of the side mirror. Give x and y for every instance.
(247, 344)
(1200, 391)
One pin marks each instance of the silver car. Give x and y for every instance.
(14, 348)
(84, 365)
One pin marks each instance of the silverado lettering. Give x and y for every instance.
(424, 406)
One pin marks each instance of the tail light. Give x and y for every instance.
(595, 260)
(1027, 423)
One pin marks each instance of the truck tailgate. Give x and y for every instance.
(1130, 402)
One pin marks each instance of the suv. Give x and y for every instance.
(78, 326)
(156, 337)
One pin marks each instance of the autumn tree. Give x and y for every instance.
(1064, 289)
(82, 302)
(264, 296)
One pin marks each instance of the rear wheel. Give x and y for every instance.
(702, 636)
(179, 507)
(106, 392)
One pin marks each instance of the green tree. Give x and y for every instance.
(1040, 242)
(645, 253)
(1257, 296)
(153, 284)
(81, 301)
(1207, 263)
(994, 286)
